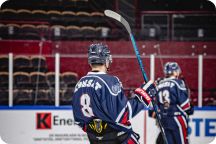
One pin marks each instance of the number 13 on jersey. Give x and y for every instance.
(164, 96)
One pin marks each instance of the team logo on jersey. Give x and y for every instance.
(116, 88)
(43, 120)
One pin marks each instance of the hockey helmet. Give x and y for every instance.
(99, 54)
(171, 67)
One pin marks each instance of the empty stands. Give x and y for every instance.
(68, 27)
(33, 84)
(4, 77)
(21, 80)
(3, 63)
(77, 19)
(4, 97)
(23, 97)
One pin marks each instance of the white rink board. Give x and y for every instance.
(202, 125)
(18, 126)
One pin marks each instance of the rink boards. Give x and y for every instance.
(55, 125)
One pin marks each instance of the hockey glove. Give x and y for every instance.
(150, 88)
(146, 92)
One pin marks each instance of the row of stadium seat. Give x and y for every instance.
(28, 31)
(55, 17)
(27, 12)
(22, 60)
(207, 101)
(24, 63)
(30, 27)
(34, 87)
(209, 97)
(40, 97)
(38, 79)
(44, 4)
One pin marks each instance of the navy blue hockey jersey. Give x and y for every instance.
(172, 97)
(99, 95)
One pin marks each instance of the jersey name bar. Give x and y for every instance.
(166, 84)
(88, 83)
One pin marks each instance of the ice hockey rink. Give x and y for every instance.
(43, 54)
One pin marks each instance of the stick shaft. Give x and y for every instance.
(146, 80)
(139, 58)
(120, 19)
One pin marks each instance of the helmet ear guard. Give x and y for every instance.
(109, 59)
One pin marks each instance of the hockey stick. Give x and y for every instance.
(120, 19)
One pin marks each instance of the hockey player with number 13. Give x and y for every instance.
(174, 105)
(100, 107)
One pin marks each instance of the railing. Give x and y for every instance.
(179, 25)
(196, 75)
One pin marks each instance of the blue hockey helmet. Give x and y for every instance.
(99, 54)
(171, 67)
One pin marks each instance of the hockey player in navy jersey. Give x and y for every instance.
(100, 107)
(174, 105)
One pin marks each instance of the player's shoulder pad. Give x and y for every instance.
(158, 80)
(115, 86)
(118, 80)
(111, 83)
(179, 83)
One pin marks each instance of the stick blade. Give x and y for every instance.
(113, 15)
(119, 18)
